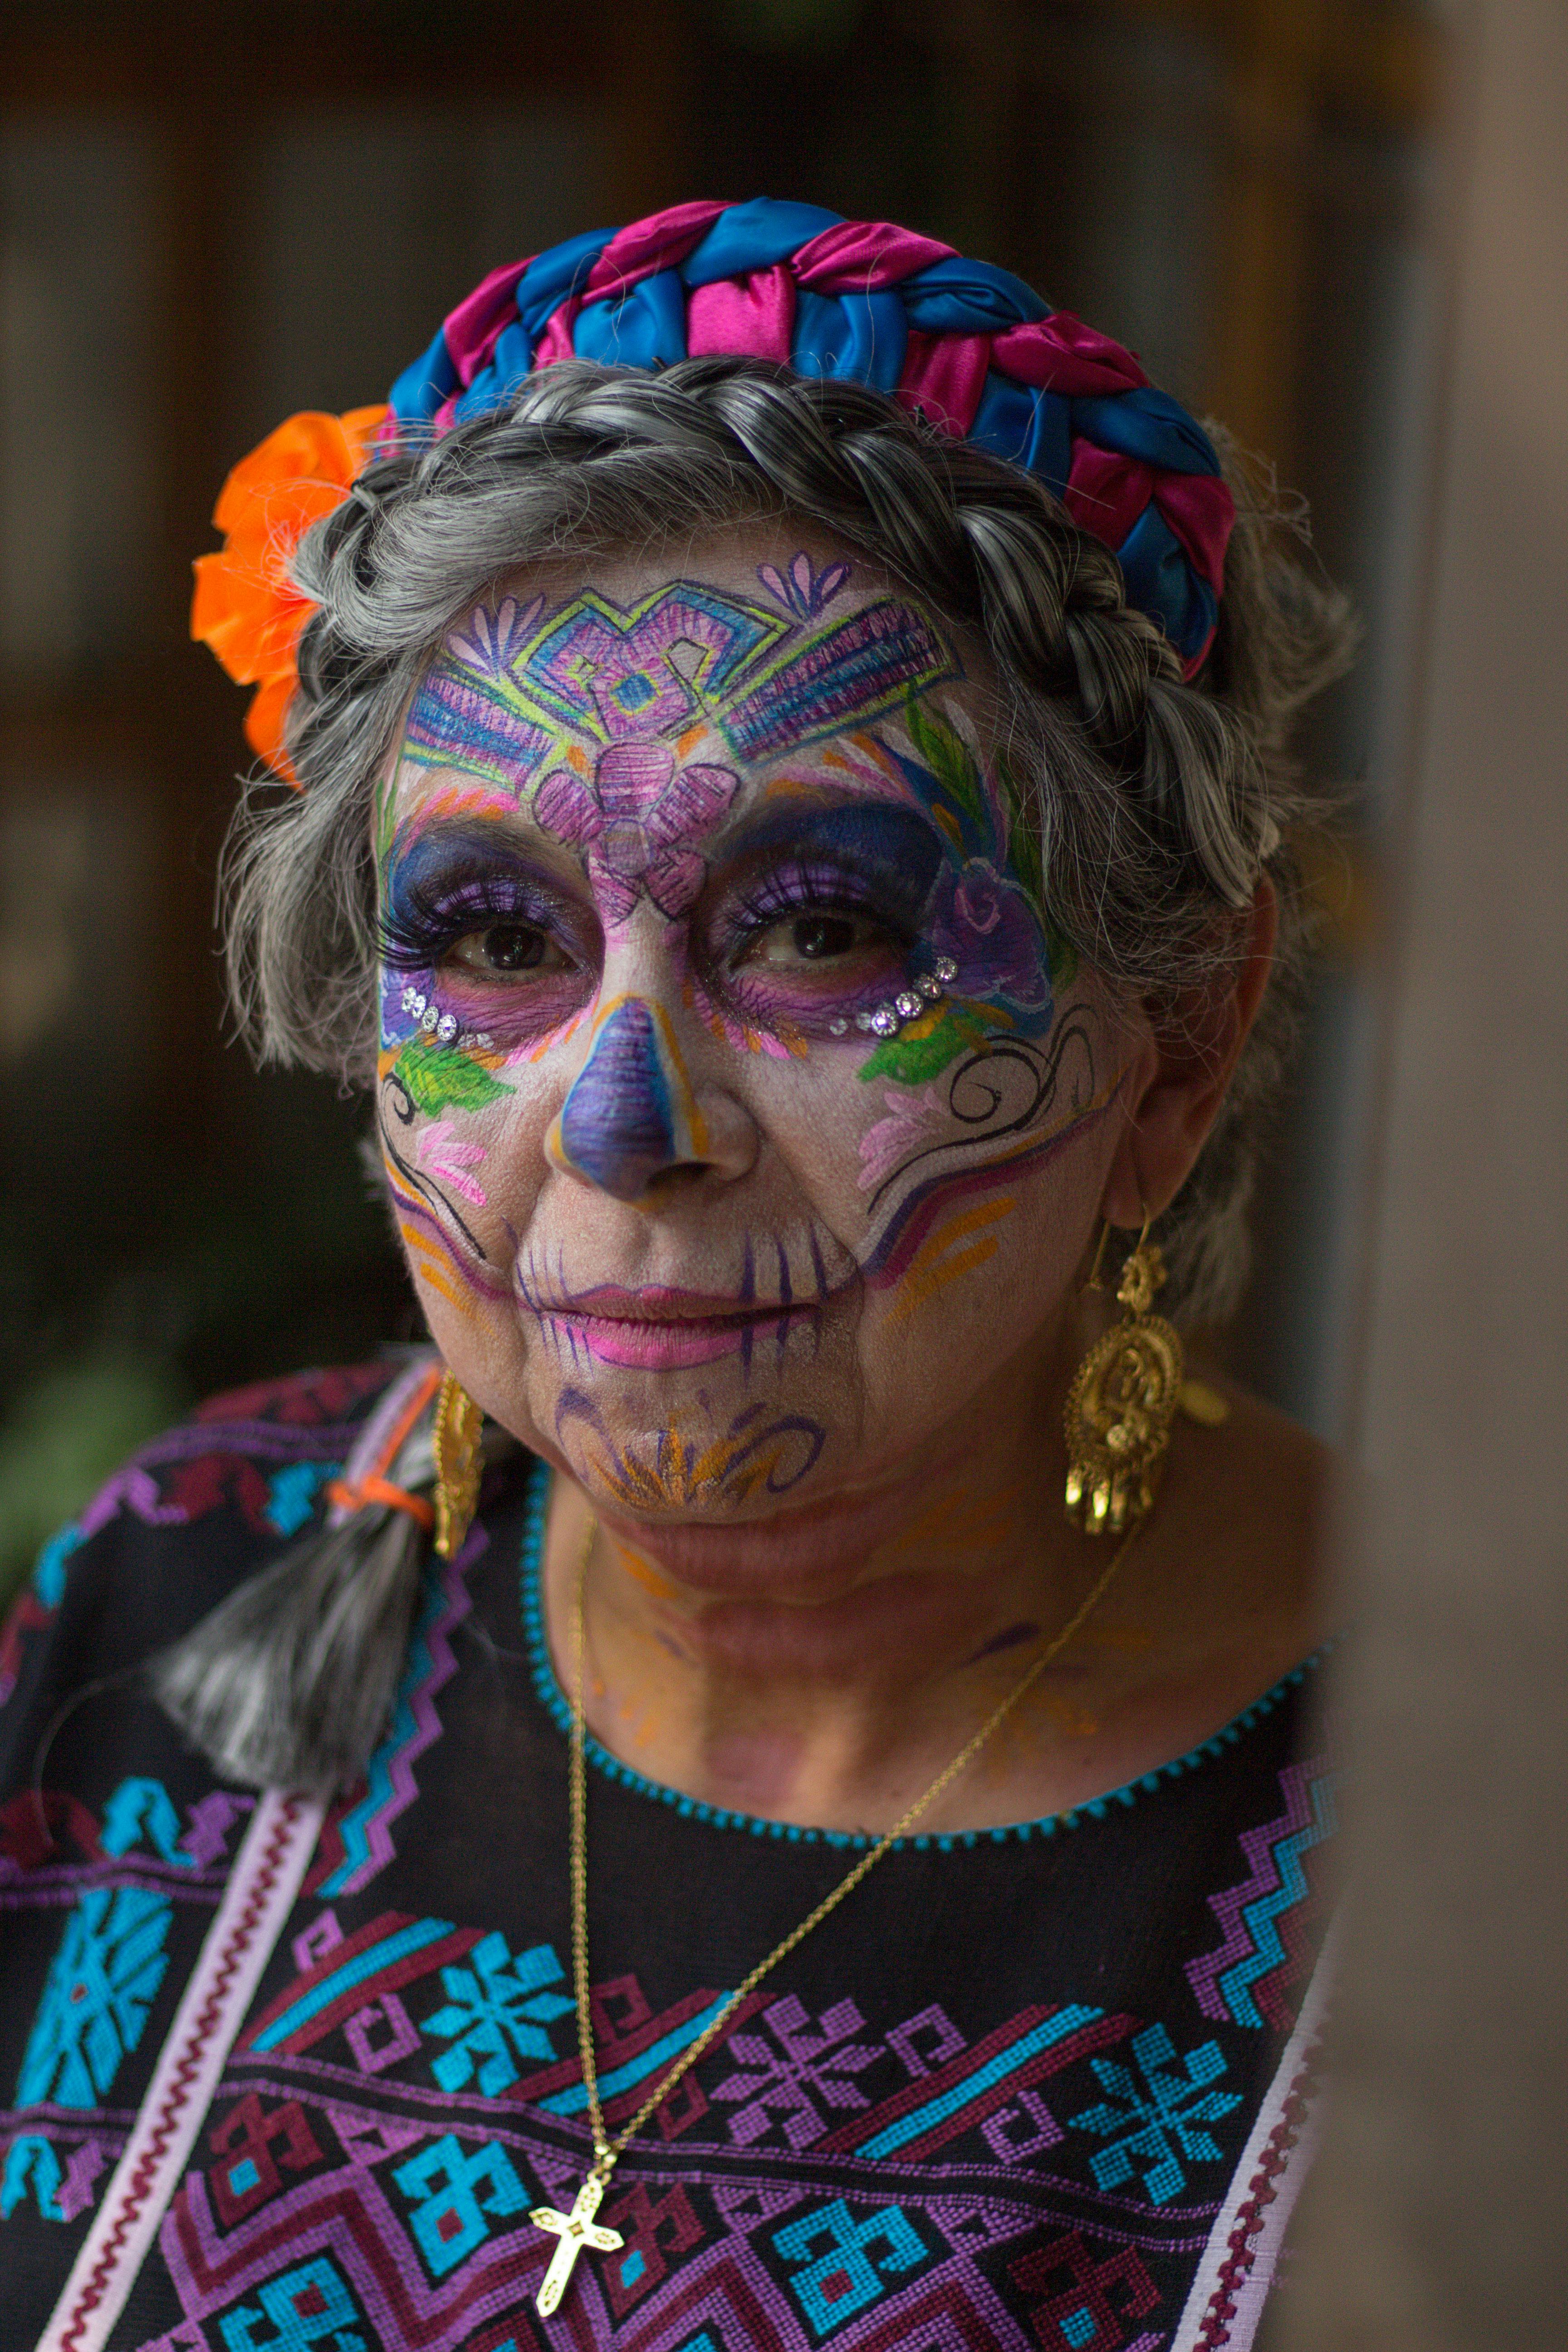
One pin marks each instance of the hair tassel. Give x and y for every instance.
(287, 1684)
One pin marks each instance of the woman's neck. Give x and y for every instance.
(823, 1666)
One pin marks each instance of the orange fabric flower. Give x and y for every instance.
(245, 607)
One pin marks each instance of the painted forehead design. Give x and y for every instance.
(515, 680)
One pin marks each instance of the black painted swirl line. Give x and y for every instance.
(1044, 1072)
(430, 1192)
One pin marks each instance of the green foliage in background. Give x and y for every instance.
(64, 1437)
(257, 1270)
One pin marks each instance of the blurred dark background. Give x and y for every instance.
(210, 217)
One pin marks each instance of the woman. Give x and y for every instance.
(792, 825)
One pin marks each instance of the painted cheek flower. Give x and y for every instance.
(987, 925)
(245, 607)
(912, 1119)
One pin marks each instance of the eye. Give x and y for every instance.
(510, 948)
(820, 936)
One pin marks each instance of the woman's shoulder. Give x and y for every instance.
(190, 1514)
(1273, 1470)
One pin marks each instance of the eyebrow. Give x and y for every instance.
(883, 839)
(444, 843)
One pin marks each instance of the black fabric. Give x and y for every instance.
(999, 2099)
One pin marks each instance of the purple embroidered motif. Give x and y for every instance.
(811, 2068)
(401, 2035)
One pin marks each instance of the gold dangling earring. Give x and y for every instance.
(460, 1465)
(1124, 1399)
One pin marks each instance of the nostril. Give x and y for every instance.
(675, 1177)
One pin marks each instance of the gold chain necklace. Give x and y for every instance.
(577, 2231)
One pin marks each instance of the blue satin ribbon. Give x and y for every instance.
(861, 337)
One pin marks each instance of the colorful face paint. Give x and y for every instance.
(638, 821)
(777, 1296)
(754, 1454)
(503, 693)
(630, 1113)
(724, 1045)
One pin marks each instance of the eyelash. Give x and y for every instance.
(789, 890)
(431, 920)
(433, 917)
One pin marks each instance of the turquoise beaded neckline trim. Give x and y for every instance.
(553, 1698)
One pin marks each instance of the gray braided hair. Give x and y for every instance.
(1158, 805)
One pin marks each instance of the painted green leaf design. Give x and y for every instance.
(951, 761)
(919, 1053)
(386, 818)
(440, 1078)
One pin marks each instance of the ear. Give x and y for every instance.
(1189, 1053)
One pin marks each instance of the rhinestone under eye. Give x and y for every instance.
(838, 1028)
(446, 1027)
(945, 969)
(428, 1019)
(930, 986)
(885, 1021)
(908, 1004)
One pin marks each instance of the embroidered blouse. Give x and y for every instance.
(1046, 2086)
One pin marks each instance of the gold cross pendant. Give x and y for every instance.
(576, 2231)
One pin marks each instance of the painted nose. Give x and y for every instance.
(631, 1117)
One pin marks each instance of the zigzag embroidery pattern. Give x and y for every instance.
(1265, 1919)
(365, 1830)
(1216, 2328)
(172, 2123)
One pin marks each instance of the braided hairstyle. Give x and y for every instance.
(1159, 803)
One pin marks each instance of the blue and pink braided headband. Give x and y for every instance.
(971, 346)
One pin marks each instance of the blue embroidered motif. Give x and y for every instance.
(306, 2310)
(846, 2278)
(140, 1813)
(321, 1991)
(496, 2013)
(100, 1985)
(573, 2099)
(30, 2158)
(451, 2223)
(1163, 2122)
(996, 2069)
(49, 1575)
(292, 1494)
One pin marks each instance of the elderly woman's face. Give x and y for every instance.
(742, 1120)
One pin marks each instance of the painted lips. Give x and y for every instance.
(665, 1330)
